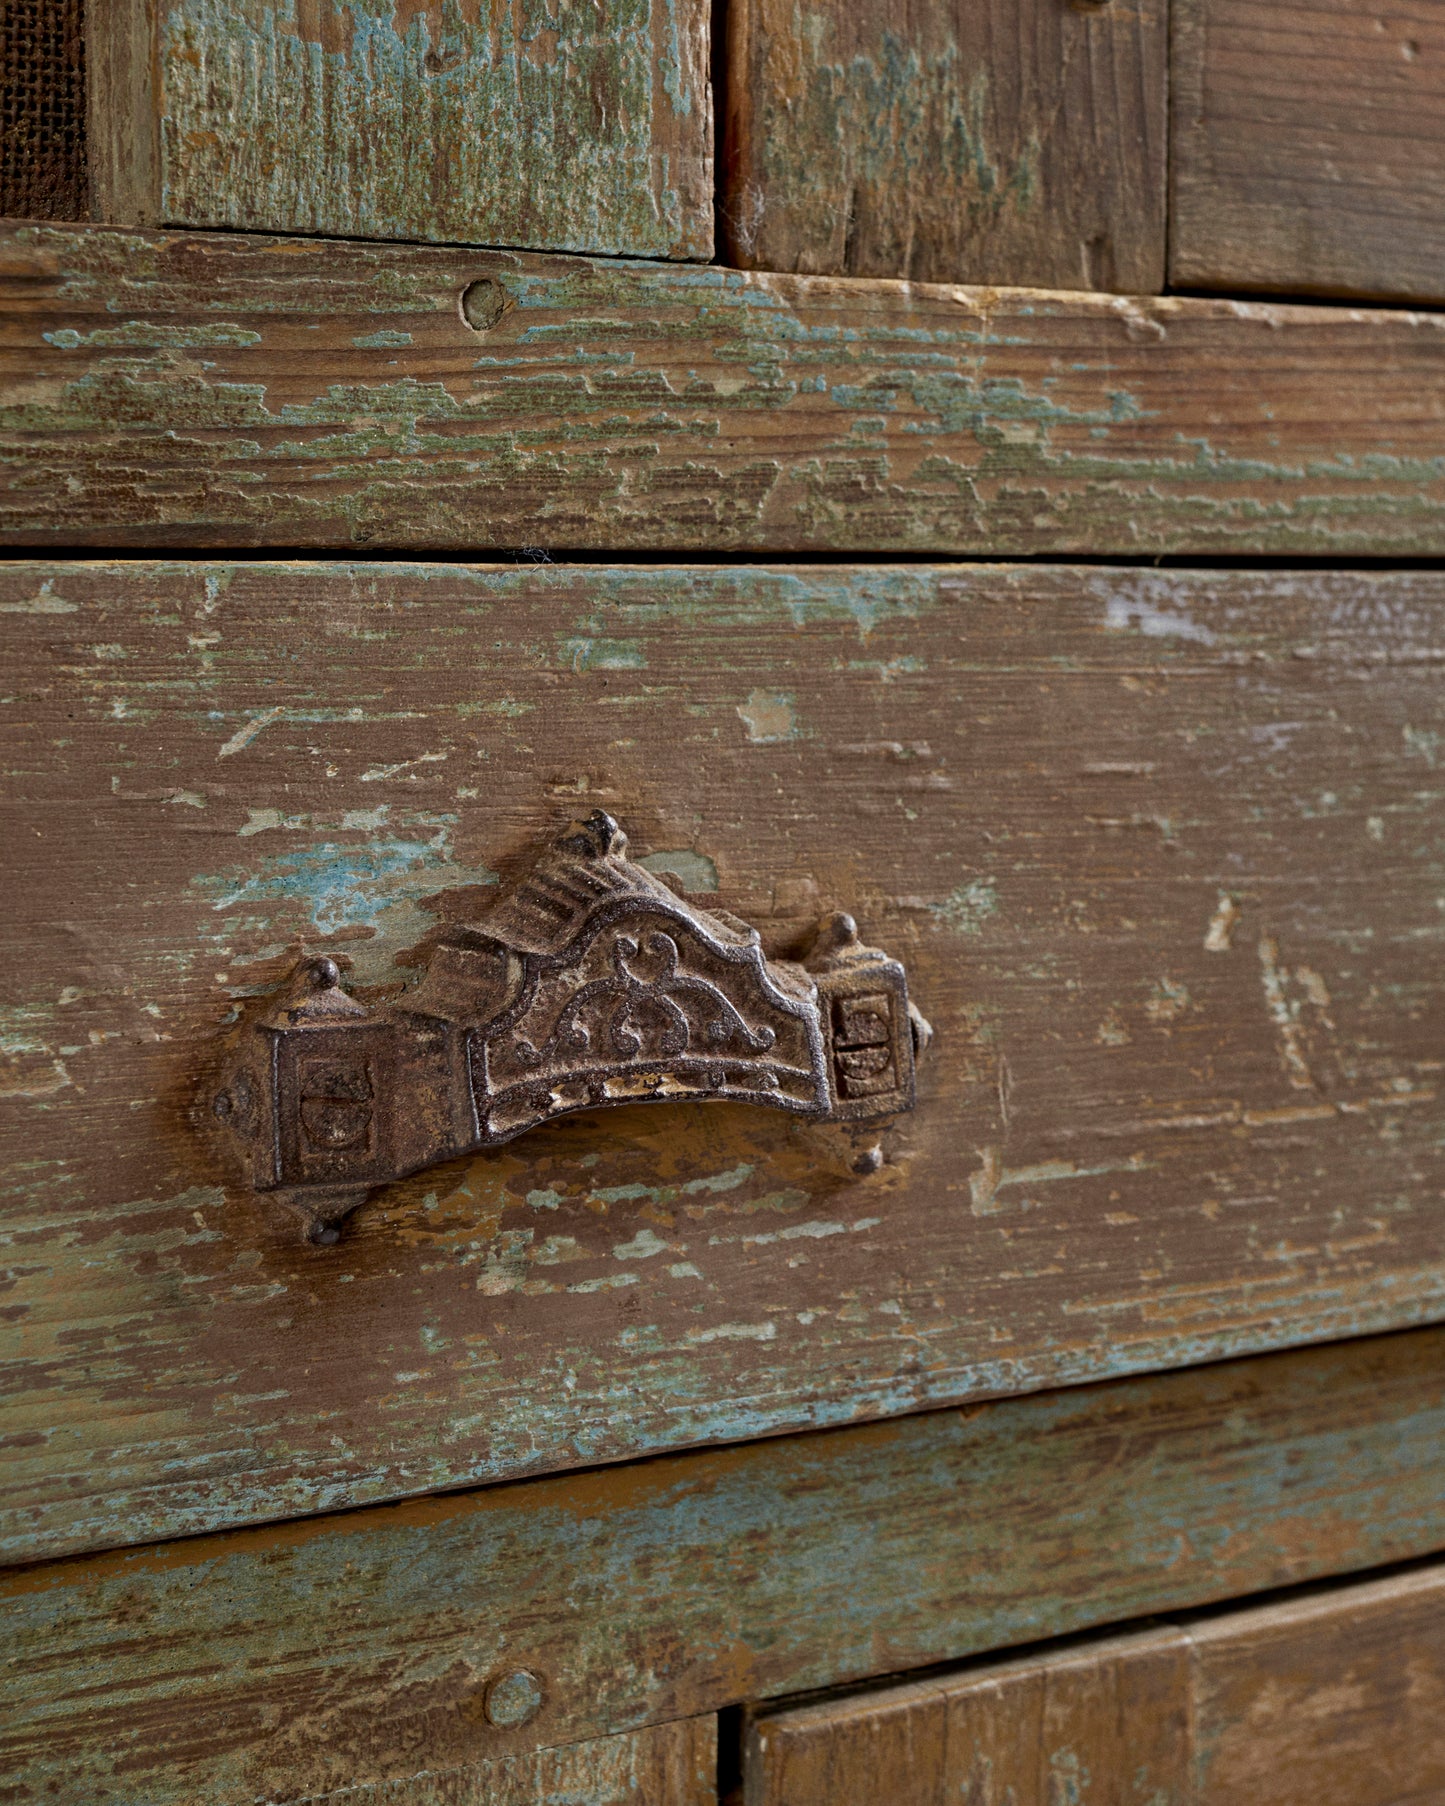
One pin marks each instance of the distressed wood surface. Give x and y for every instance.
(1101, 1724)
(661, 1765)
(585, 125)
(1336, 1696)
(1309, 147)
(281, 1661)
(188, 391)
(1161, 852)
(964, 142)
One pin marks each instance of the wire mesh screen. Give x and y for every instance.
(42, 109)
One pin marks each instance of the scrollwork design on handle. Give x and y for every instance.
(587, 983)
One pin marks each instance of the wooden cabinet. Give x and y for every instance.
(392, 489)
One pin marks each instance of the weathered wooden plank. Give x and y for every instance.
(1020, 141)
(275, 1661)
(1338, 1696)
(583, 126)
(661, 1765)
(1334, 1696)
(223, 391)
(1309, 147)
(1161, 851)
(1102, 1724)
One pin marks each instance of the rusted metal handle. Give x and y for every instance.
(588, 983)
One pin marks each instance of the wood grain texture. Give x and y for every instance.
(661, 1765)
(1335, 1696)
(1103, 1724)
(1309, 147)
(1161, 852)
(585, 125)
(1004, 142)
(189, 391)
(280, 1661)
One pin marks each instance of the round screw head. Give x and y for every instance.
(512, 1699)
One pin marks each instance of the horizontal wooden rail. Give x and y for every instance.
(272, 1663)
(180, 390)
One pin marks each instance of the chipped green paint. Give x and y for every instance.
(321, 890)
(967, 907)
(578, 125)
(892, 110)
(658, 406)
(694, 871)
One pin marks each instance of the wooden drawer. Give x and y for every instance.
(1159, 849)
(1332, 1696)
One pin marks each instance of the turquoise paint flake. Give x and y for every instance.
(328, 888)
(142, 333)
(966, 909)
(582, 654)
(386, 338)
(339, 887)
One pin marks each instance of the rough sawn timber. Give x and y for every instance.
(585, 125)
(223, 391)
(1000, 141)
(1336, 1695)
(1161, 852)
(1309, 147)
(281, 1661)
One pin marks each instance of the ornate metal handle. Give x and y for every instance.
(588, 983)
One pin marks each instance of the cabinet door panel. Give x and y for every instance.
(584, 125)
(1160, 850)
(1336, 1696)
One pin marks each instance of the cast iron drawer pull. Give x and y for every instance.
(588, 983)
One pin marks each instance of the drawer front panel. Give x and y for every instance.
(1309, 147)
(587, 128)
(1160, 851)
